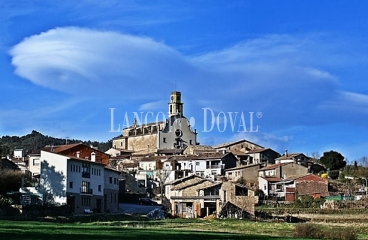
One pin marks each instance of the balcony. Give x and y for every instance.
(215, 166)
(84, 190)
(86, 175)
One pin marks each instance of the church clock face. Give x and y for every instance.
(178, 133)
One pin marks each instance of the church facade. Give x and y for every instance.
(174, 133)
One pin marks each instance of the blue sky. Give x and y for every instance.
(302, 64)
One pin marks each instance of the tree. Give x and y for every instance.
(333, 160)
(241, 181)
(10, 180)
(162, 176)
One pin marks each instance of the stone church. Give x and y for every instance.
(168, 137)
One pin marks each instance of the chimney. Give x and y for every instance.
(93, 157)
(78, 154)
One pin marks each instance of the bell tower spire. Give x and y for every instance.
(175, 104)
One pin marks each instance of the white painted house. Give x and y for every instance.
(77, 182)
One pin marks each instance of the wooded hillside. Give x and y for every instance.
(34, 141)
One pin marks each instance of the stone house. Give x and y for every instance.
(248, 172)
(207, 165)
(195, 196)
(306, 185)
(263, 156)
(298, 158)
(241, 145)
(271, 174)
(283, 170)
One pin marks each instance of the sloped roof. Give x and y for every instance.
(62, 148)
(272, 179)
(290, 156)
(210, 186)
(242, 167)
(260, 150)
(233, 143)
(177, 181)
(240, 153)
(274, 166)
(202, 156)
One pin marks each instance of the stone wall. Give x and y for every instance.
(111, 203)
(250, 174)
(293, 169)
(312, 187)
(245, 202)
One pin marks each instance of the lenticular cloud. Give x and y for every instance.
(77, 61)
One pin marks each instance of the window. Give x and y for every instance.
(164, 140)
(197, 163)
(86, 169)
(241, 191)
(111, 197)
(99, 188)
(85, 187)
(86, 202)
(70, 184)
(36, 162)
(110, 179)
(190, 142)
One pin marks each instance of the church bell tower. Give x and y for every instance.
(175, 104)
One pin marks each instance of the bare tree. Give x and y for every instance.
(316, 156)
(162, 177)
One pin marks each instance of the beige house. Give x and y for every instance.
(274, 173)
(299, 158)
(264, 156)
(248, 172)
(283, 170)
(241, 145)
(195, 196)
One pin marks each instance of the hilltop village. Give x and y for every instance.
(162, 163)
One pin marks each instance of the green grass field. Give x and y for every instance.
(42, 230)
(143, 229)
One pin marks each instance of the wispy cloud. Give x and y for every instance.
(152, 106)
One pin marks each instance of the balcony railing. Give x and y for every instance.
(84, 190)
(214, 166)
(86, 175)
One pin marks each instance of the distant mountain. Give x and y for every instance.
(34, 141)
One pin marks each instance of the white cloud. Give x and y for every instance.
(277, 75)
(151, 106)
(82, 61)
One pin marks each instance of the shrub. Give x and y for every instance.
(4, 201)
(307, 230)
(341, 233)
(334, 174)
